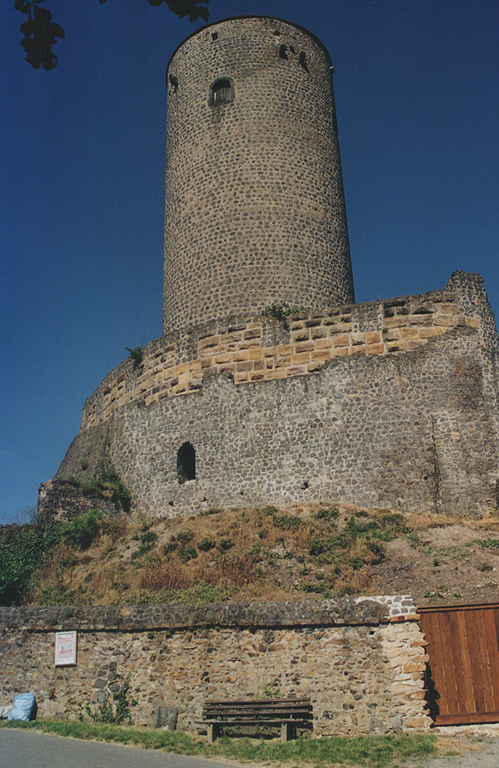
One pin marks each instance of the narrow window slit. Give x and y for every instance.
(186, 463)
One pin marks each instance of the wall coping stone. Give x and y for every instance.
(371, 610)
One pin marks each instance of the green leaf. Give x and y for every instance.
(57, 31)
(42, 15)
(204, 13)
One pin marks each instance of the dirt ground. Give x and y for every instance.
(443, 565)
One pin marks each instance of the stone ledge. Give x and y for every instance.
(343, 611)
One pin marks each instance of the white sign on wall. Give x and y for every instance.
(65, 648)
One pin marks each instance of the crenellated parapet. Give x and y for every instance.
(263, 348)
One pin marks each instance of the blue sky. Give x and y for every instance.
(82, 154)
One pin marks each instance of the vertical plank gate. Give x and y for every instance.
(463, 671)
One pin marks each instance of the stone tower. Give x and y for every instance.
(255, 211)
(389, 403)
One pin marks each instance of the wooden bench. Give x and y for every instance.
(286, 713)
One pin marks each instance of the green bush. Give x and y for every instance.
(22, 552)
(82, 530)
(184, 537)
(287, 522)
(188, 553)
(330, 513)
(20, 556)
(488, 543)
(385, 527)
(147, 540)
(107, 484)
(120, 712)
(170, 547)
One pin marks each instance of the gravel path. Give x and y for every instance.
(483, 754)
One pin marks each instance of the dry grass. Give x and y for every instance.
(243, 552)
(240, 553)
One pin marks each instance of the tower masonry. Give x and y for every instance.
(255, 210)
(390, 403)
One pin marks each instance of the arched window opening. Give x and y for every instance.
(221, 92)
(186, 463)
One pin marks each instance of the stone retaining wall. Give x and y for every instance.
(360, 660)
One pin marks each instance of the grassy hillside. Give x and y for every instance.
(252, 553)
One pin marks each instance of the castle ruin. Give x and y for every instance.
(389, 403)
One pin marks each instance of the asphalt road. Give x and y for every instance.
(28, 749)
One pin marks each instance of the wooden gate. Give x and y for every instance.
(463, 671)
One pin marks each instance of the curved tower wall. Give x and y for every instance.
(255, 211)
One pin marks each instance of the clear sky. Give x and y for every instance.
(82, 152)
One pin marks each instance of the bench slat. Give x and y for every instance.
(303, 713)
(301, 708)
(258, 702)
(217, 706)
(252, 722)
(284, 713)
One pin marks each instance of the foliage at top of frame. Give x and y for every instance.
(40, 33)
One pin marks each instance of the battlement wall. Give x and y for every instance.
(264, 349)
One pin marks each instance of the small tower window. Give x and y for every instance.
(221, 92)
(186, 463)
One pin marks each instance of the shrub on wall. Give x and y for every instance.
(20, 555)
(24, 548)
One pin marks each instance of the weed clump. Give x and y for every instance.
(107, 485)
(280, 311)
(116, 712)
(135, 354)
(206, 544)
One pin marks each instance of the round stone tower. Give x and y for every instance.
(255, 210)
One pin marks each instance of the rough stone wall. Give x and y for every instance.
(255, 211)
(362, 669)
(63, 501)
(411, 430)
